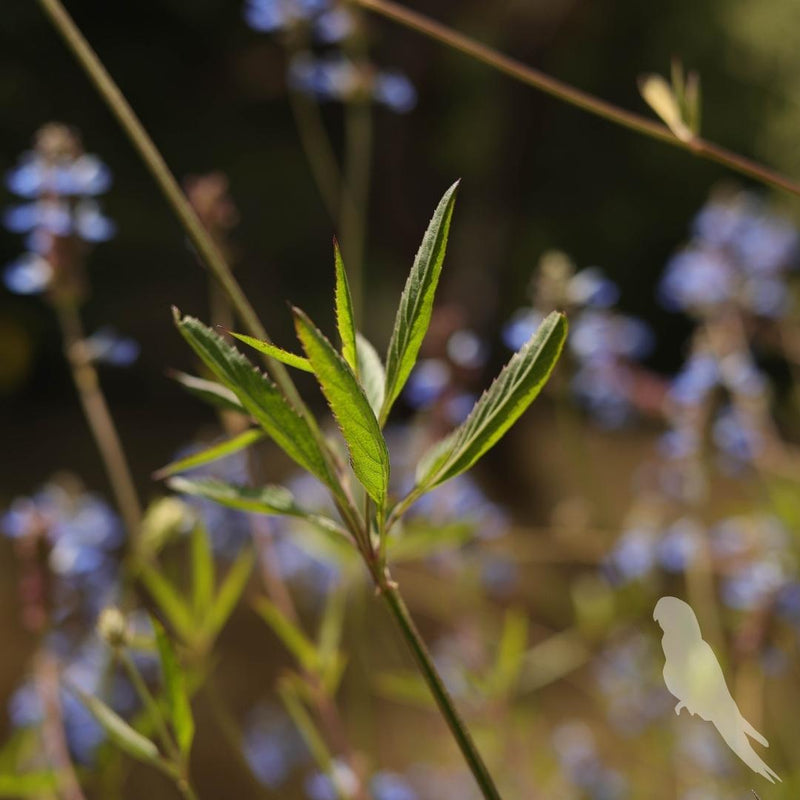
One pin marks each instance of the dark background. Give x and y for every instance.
(537, 174)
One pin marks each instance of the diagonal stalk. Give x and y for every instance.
(574, 96)
(399, 611)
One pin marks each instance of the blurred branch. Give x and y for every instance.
(576, 97)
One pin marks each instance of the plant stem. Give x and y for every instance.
(574, 96)
(419, 651)
(146, 696)
(101, 423)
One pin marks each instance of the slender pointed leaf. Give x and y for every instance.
(264, 500)
(416, 302)
(119, 731)
(371, 373)
(368, 453)
(180, 711)
(345, 318)
(210, 392)
(278, 353)
(259, 395)
(229, 593)
(203, 571)
(169, 601)
(499, 407)
(213, 453)
(295, 640)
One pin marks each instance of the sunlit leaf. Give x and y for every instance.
(210, 392)
(368, 454)
(345, 319)
(262, 500)
(259, 395)
(659, 95)
(514, 389)
(371, 373)
(416, 302)
(278, 353)
(28, 784)
(180, 711)
(210, 454)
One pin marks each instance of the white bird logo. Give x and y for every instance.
(693, 675)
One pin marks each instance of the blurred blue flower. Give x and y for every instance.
(735, 437)
(590, 287)
(680, 544)
(695, 279)
(599, 333)
(467, 350)
(698, 376)
(272, 746)
(335, 77)
(633, 555)
(28, 274)
(329, 22)
(753, 584)
(427, 382)
(35, 176)
(391, 786)
(521, 327)
(107, 346)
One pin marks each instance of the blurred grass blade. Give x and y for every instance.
(404, 687)
(295, 640)
(119, 731)
(168, 600)
(213, 453)
(416, 302)
(44, 783)
(368, 454)
(229, 593)
(203, 571)
(259, 395)
(278, 353)
(345, 319)
(210, 392)
(371, 373)
(180, 711)
(510, 653)
(514, 389)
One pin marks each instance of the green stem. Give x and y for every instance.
(574, 96)
(101, 423)
(149, 702)
(419, 651)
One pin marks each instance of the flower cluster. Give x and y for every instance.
(739, 255)
(60, 184)
(331, 75)
(604, 344)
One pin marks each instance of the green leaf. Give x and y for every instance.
(122, 734)
(278, 353)
(180, 711)
(203, 571)
(273, 500)
(510, 653)
(345, 318)
(229, 593)
(209, 392)
(169, 601)
(368, 454)
(296, 642)
(420, 539)
(28, 784)
(371, 373)
(212, 453)
(416, 302)
(259, 395)
(404, 687)
(514, 389)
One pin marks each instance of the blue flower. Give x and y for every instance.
(391, 786)
(395, 91)
(634, 554)
(735, 436)
(695, 279)
(35, 176)
(107, 346)
(272, 746)
(427, 382)
(521, 327)
(590, 287)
